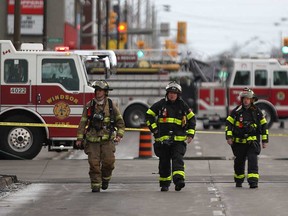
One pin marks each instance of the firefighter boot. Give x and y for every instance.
(254, 185)
(95, 189)
(164, 188)
(238, 184)
(105, 185)
(179, 185)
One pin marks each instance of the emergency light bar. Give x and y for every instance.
(31, 47)
(61, 48)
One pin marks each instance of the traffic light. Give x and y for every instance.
(285, 46)
(172, 47)
(140, 44)
(285, 41)
(140, 53)
(168, 44)
(181, 32)
(112, 20)
(122, 29)
(285, 49)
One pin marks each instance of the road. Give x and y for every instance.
(60, 184)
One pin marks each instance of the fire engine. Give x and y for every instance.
(41, 98)
(138, 83)
(268, 78)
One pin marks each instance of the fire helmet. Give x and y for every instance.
(247, 92)
(174, 87)
(101, 84)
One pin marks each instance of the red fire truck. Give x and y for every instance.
(41, 98)
(139, 81)
(268, 79)
(138, 85)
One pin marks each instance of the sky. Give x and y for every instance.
(214, 26)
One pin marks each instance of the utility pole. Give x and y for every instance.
(117, 24)
(107, 23)
(44, 37)
(126, 20)
(99, 24)
(17, 24)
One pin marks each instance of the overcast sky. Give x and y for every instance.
(216, 25)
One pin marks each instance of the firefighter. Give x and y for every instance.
(100, 127)
(244, 127)
(172, 123)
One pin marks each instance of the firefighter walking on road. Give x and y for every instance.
(100, 127)
(245, 127)
(172, 123)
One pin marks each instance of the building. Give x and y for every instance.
(63, 22)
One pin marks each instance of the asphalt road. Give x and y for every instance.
(59, 183)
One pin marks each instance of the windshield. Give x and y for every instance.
(84, 69)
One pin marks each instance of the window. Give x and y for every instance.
(15, 71)
(280, 78)
(242, 78)
(260, 77)
(61, 71)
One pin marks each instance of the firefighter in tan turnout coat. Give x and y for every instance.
(100, 127)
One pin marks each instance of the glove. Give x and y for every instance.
(189, 139)
(155, 133)
(79, 144)
(229, 141)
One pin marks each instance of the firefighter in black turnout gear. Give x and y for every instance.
(172, 123)
(245, 126)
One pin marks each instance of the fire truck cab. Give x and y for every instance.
(266, 77)
(41, 98)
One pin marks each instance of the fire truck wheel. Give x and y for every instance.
(205, 126)
(20, 142)
(134, 116)
(217, 126)
(268, 114)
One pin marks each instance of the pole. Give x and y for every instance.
(117, 24)
(44, 39)
(107, 23)
(99, 24)
(126, 20)
(17, 24)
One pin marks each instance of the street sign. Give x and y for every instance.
(55, 40)
(164, 29)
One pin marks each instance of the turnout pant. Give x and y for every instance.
(243, 151)
(101, 159)
(170, 157)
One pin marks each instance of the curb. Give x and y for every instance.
(6, 180)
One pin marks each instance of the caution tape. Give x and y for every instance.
(126, 129)
(37, 125)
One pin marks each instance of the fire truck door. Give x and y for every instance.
(16, 85)
(58, 92)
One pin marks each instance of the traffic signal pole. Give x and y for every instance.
(98, 5)
(126, 20)
(107, 23)
(17, 24)
(117, 24)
